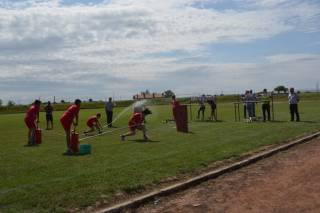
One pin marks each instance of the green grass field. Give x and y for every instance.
(41, 179)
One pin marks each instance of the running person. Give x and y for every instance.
(93, 122)
(31, 119)
(68, 118)
(48, 108)
(137, 122)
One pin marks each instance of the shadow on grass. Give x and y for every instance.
(28, 145)
(206, 121)
(310, 122)
(143, 141)
(112, 127)
(277, 121)
(74, 154)
(211, 121)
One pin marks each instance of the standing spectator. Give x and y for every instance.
(265, 98)
(48, 108)
(212, 102)
(202, 106)
(31, 120)
(68, 118)
(254, 99)
(109, 111)
(293, 103)
(249, 100)
(243, 97)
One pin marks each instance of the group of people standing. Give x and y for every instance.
(250, 100)
(211, 100)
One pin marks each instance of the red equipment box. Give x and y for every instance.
(180, 114)
(74, 142)
(38, 136)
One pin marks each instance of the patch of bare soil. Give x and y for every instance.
(286, 182)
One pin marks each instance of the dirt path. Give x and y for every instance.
(286, 182)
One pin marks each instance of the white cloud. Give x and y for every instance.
(43, 40)
(285, 58)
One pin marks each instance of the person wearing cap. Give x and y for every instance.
(293, 104)
(31, 120)
(93, 122)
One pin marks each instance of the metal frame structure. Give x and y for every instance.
(237, 114)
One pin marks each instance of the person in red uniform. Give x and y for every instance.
(93, 122)
(175, 104)
(137, 122)
(70, 117)
(31, 119)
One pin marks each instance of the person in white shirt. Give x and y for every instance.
(202, 106)
(109, 111)
(293, 104)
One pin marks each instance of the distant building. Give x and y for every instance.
(144, 95)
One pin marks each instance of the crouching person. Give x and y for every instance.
(92, 123)
(137, 122)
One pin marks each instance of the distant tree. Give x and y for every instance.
(62, 101)
(147, 92)
(1, 102)
(90, 100)
(11, 103)
(168, 93)
(280, 89)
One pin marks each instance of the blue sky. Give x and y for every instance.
(99, 48)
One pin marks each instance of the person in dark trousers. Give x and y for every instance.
(253, 103)
(293, 104)
(212, 102)
(202, 106)
(243, 97)
(49, 109)
(109, 111)
(265, 99)
(249, 101)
